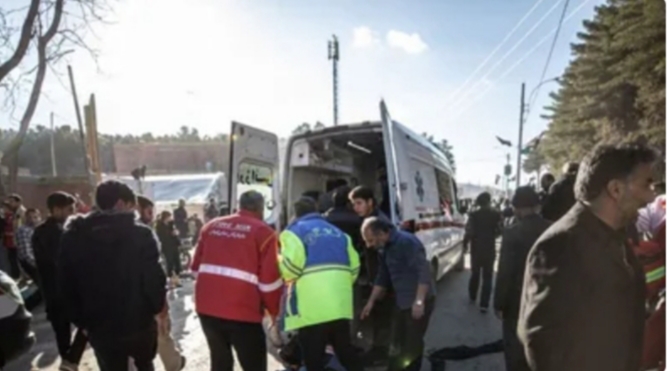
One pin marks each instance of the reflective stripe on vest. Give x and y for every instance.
(240, 275)
(655, 274)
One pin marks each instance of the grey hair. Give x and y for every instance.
(251, 201)
(375, 225)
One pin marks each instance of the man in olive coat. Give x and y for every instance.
(583, 293)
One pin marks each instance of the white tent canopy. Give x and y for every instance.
(166, 190)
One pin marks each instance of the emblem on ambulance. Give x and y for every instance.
(420, 186)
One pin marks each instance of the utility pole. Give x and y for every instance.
(54, 172)
(522, 108)
(334, 57)
(82, 133)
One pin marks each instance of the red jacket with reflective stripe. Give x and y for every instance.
(237, 269)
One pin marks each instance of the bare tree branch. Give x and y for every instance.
(24, 40)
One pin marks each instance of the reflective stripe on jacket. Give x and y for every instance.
(320, 265)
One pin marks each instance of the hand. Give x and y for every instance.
(417, 310)
(499, 314)
(367, 310)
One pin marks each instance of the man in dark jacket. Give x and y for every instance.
(482, 229)
(561, 194)
(342, 216)
(403, 264)
(583, 292)
(517, 241)
(111, 280)
(546, 181)
(365, 204)
(181, 219)
(46, 247)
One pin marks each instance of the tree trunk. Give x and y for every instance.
(11, 153)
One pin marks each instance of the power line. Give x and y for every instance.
(518, 62)
(488, 58)
(507, 54)
(551, 51)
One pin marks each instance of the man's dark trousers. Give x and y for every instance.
(481, 267)
(113, 352)
(247, 339)
(515, 358)
(69, 350)
(314, 340)
(407, 338)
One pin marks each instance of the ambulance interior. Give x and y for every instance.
(318, 163)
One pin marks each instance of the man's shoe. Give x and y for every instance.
(483, 310)
(182, 363)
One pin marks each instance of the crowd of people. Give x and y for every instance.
(570, 289)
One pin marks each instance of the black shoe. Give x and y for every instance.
(182, 363)
(483, 310)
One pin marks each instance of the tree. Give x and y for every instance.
(55, 31)
(444, 146)
(614, 88)
(534, 161)
(301, 129)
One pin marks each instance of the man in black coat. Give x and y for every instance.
(482, 229)
(517, 241)
(342, 216)
(46, 247)
(561, 194)
(111, 280)
(583, 293)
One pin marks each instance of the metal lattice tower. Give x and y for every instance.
(334, 57)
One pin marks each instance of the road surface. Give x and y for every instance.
(455, 321)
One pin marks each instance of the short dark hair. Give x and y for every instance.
(304, 205)
(547, 176)
(525, 197)
(363, 193)
(340, 196)
(31, 210)
(484, 199)
(59, 199)
(164, 215)
(607, 162)
(376, 225)
(144, 202)
(251, 201)
(15, 197)
(109, 192)
(571, 168)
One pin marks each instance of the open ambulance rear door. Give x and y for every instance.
(392, 149)
(254, 165)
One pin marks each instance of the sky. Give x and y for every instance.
(447, 67)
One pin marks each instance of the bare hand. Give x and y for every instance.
(417, 311)
(367, 310)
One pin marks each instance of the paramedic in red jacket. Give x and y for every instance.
(237, 281)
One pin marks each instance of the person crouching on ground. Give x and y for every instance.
(320, 263)
(111, 280)
(403, 264)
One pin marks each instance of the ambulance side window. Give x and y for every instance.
(446, 191)
(252, 176)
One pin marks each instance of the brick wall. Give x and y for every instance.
(172, 158)
(34, 190)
